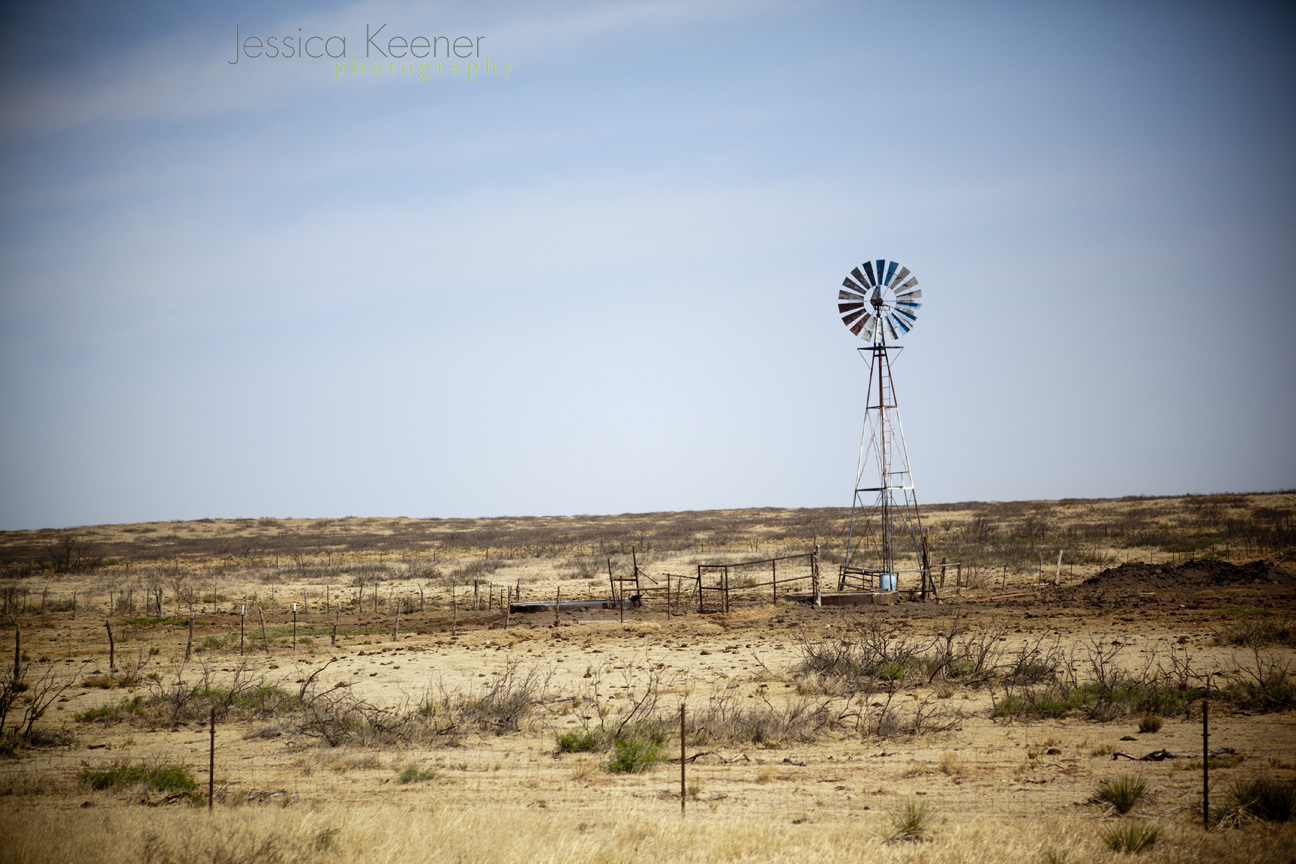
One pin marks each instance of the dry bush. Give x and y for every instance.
(729, 719)
(336, 716)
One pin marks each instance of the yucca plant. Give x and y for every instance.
(1122, 792)
(1258, 798)
(1131, 836)
(911, 820)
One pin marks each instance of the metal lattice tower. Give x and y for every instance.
(877, 302)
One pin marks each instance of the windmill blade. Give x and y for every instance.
(868, 269)
(891, 272)
(892, 315)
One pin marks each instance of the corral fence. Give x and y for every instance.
(715, 587)
(719, 586)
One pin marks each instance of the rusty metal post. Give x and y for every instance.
(682, 761)
(211, 764)
(1206, 756)
(112, 653)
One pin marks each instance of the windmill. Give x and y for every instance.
(879, 302)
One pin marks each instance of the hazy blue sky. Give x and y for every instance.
(608, 283)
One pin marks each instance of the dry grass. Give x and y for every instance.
(432, 831)
(809, 726)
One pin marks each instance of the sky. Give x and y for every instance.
(600, 275)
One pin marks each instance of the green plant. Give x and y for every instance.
(579, 741)
(414, 774)
(121, 774)
(911, 820)
(1258, 798)
(324, 839)
(635, 753)
(112, 711)
(1122, 793)
(1009, 706)
(1131, 836)
(894, 671)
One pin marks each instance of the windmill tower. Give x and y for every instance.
(878, 302)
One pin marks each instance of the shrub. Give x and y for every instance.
(1131, 836)
(414, 774)
(1122, 793)
(636, 752)
(112, 711)
(911, 820)
(121, 774)
(1149, 723)
(579, 741)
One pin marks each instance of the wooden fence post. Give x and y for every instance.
(814, 579)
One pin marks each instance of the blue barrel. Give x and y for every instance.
(888, 581)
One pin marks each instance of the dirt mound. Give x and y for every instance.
(1190, 576)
